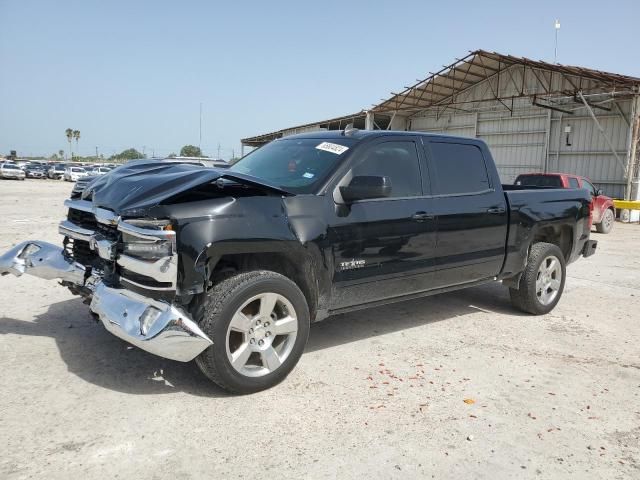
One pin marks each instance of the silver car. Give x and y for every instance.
(11, 170)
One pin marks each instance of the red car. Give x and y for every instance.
(604, 212)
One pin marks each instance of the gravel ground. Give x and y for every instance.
(454, 386)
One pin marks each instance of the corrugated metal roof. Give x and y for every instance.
(336, 122)
(441, 87)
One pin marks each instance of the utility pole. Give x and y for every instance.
(200, 136)
(218, 157)
(555, 52)
(96, 154)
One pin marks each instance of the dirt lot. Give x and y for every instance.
(378, 393)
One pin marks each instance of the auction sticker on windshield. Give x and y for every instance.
(332, 147)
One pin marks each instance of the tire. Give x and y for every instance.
(606, 224)
(238, 299)
(538, 294)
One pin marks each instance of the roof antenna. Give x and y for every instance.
(349, 130)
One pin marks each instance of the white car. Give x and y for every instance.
(11, 170)
(100, 171)
(71, 174)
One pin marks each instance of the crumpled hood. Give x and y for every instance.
(134, 188)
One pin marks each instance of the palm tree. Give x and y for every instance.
(69, 133)
(76, 135)
(61, 153)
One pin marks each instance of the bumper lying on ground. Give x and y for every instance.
(152, 325)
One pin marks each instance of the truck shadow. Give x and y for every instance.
(372, 322)
(96, 356)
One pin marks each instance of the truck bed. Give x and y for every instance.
(536, 211)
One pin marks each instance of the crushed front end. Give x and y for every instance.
(126, 269)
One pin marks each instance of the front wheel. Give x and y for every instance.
(606, 224)
(542, 282)
(259, 324)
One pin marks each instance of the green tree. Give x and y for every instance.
(61, 154)
(69, 133)
(172, 155)
(190, 151)
(76, 136)
(128, 154)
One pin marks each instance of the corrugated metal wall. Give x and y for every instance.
(532, 138)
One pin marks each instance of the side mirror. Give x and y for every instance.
(599, 192)
(365, 188)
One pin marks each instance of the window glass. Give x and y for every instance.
(539, 181)
(396, 160)
(298, 164)
(588, 186)
(573, 182)
(459, 168)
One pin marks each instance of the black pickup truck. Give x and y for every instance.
(229, 267)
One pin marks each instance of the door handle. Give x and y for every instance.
(496, 210)
(421, 216)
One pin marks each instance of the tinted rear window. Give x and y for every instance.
(539, 181)
(460, 168)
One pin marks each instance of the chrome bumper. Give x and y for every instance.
(152, 325)
(41, 259)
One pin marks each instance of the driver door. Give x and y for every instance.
(385, 247)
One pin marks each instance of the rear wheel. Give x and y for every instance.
(259, 324)
(606, 224)
(542, 282)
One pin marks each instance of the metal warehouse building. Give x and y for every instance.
(535, 116)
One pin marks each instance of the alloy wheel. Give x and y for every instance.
(261, 334)
(548, 280)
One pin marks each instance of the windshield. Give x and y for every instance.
(296, 165)
(77, 170)
(11, 167)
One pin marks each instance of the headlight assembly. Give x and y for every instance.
(147, 239)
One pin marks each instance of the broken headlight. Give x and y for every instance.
(143, 242)
(137, 247)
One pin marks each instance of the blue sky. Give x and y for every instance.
(132, 74)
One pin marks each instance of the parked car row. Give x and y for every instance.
(55, 171)
(11, 170)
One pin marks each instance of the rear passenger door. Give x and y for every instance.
(471, 212)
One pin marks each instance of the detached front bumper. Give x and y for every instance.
(41, 259)
(152, 325)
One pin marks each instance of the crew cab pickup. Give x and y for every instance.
(229, 267)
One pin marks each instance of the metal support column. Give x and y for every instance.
(632, 191)
(369, 121)
(547, 138)
(602, 132)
